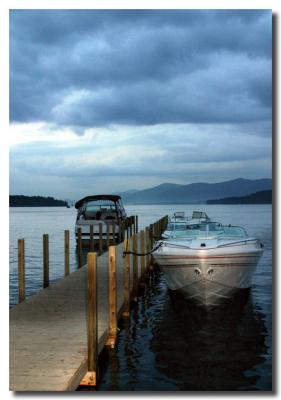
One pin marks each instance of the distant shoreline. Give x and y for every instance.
(261, 197)
(35, 201)
(23, 206)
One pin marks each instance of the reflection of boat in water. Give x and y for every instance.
(170, 344)
(210, 351)
(205, 260)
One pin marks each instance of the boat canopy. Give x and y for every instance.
(111, 197)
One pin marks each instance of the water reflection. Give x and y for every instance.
(170, 344)
(210, 351)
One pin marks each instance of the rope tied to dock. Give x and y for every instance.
(143, 254)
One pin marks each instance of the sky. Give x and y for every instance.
(105, 101)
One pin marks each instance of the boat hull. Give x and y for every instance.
(208, 278)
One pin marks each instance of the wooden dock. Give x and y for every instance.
(49, 331)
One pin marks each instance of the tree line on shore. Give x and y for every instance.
(35, 201)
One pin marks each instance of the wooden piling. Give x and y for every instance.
(135, 265)
(91, 244)
(90, 379)
(147, 241)
(100, 239)
(126, 308)
(130, 227)
(151, 232)
(137, 223)
(45, 260)
(21, 270)
(142, 247)
(151, 240)
(112, 297)
(66, 253)
(79, 247)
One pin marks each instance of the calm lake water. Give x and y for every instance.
(168, 344)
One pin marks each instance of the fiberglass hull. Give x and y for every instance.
(208, 276)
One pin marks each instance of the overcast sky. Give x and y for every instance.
(108, 101)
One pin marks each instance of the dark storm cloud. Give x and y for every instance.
(93, 68)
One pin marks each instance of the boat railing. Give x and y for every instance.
(210, 228)
(185, 246)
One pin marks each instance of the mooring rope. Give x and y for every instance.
(143, 254)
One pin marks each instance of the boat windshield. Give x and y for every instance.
(100, 205)
(176, 226)
(205, 229)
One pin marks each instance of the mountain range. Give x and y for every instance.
(262, 197)
(195, 192)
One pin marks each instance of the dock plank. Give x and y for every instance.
(48, 331)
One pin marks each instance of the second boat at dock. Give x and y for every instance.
(206, 261)
(104, 209)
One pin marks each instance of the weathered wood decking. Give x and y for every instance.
(48, 331)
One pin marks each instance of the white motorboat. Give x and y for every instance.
(206, 261)
(106, 210)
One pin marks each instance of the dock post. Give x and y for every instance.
(143, 258)
(137, 223)
(147, 240)
(142, 241)
(135, 265)
(45, 260)
(151, 233)
(66, 253)
(130, 226)
(21, 270)
(126, 308)
(112, 297)
(164, 223)
(91, 244)
(100, 239)
(90, 379)
(79, 248)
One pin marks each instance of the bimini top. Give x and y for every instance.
(111, 197)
